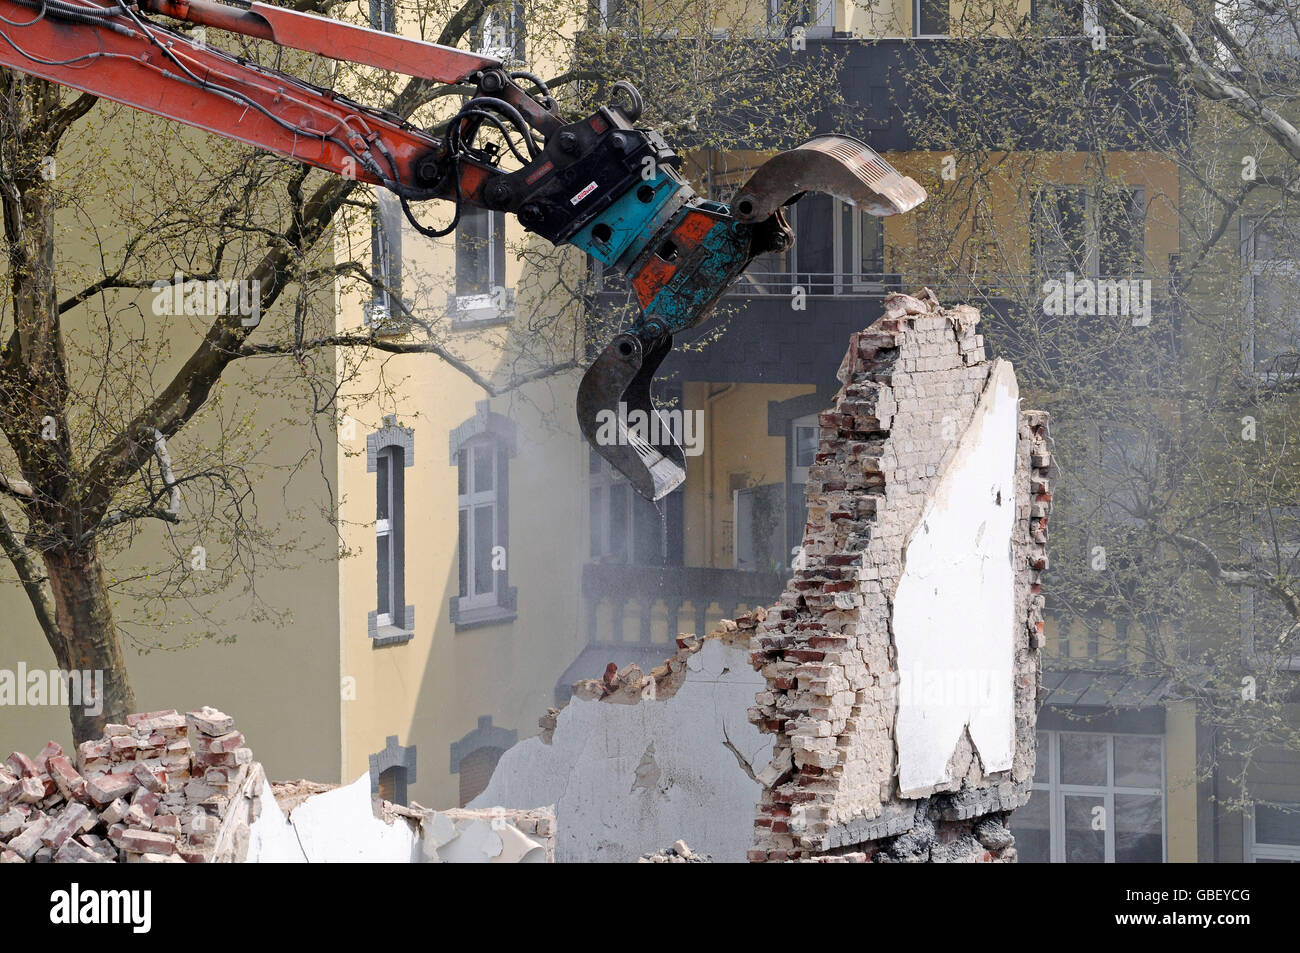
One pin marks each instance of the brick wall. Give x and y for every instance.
(910, 387)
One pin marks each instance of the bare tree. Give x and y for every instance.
(100, 392)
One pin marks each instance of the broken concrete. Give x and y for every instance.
(638, 760)
(346, 825)
(902, 663)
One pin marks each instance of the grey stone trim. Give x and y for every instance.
(393, 756)
(486, 735)
(391, 435)
(507, 610)
(391, 634)
(484, 421)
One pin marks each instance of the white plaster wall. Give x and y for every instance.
(626, 780)
(954, 610)
(340, 826)
(337, 826)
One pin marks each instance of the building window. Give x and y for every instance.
(930, 17)
(1097, 798)
(839, 248)
(1088, 232)
(1273, 834)
(474, 757)
(383, 16)
(480, 520)
(384, 311)
(481, 292)
(1065, 18)
(758, 521)
(480, 451)
(816, 17)
(392, 786)
(476, 771)
(624, 527)
(1270, 538)
(805, 434)
(1269, 252)
(392, 770)
(618, 15)
(500, 33)
(388, 518)
(388, 453)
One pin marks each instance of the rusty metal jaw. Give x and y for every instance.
(617, 415)
(836, 165)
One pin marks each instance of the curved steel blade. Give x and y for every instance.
(837, 165)
(617, 416)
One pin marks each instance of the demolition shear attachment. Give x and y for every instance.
(681, 252)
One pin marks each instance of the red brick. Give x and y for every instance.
(31, 790)
(73, 820)
(22, 765)
(141, 716)
(147, 842)
(52, 749)
(107, 788)
(146, 800)
(149, 778)
(66, 778)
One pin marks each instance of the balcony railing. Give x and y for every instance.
(620, 586)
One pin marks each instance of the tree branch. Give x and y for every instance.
(33, 582)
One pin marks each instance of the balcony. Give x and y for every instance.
(626, 604)
(620, 585)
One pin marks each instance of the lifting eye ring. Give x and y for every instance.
(635, 103)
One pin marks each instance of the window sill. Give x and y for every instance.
(476, 320)
(503, 613)
(472, 311)
(384, 635)
(479, 618)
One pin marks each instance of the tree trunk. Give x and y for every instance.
(90, 640)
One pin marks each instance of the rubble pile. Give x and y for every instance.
(162, 788)
(679, 853)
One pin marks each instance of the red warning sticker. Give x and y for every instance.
(587, 190)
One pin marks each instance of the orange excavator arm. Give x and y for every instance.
(599, 183)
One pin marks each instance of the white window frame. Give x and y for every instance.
(1281, 267)
(471, 501)
(798, 474)
(509, 19)
(1057, 793)
(498, 302)
(385, 538)
(819, 26)
(853, 279)
(604, 25)
(1092, 230)
(1254, 851)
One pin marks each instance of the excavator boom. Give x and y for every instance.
(600, 183)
